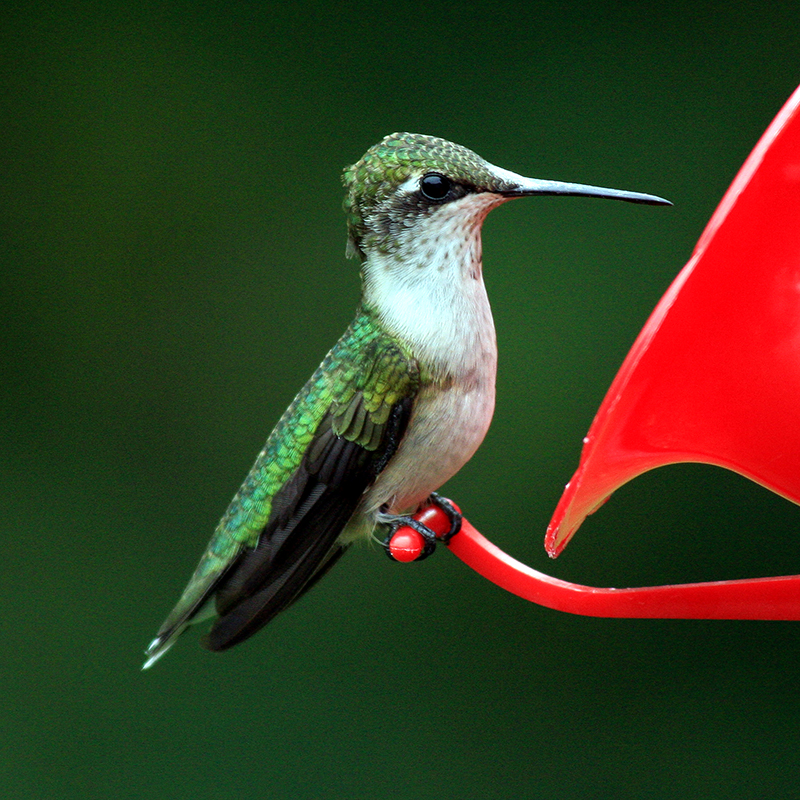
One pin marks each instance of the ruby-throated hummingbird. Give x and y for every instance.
(399, 404)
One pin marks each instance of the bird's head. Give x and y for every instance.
(410, 183)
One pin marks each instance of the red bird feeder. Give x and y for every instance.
(714, 378)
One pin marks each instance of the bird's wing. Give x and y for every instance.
(278, 536)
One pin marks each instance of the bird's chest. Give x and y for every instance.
(435, 304)
(447, 426)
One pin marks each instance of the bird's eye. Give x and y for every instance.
(434, 186)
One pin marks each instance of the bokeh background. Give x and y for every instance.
(172, 251)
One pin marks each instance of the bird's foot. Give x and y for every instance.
(451, 511)
(411, 539)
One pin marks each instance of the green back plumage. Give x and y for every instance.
(355, 388)
(365, 361)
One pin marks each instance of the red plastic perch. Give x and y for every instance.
(758, 598)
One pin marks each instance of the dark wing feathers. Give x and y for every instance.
(350, 447)
(279, 533)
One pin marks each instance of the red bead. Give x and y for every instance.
(406, 545)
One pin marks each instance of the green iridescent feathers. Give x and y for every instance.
(351, 395)
(371, 180)
(365, 365)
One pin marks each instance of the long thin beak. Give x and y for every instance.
(513, 185)
(533, 186)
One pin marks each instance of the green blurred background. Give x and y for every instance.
(172, 250)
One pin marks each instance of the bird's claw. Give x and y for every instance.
(428, 536)
(451, 512)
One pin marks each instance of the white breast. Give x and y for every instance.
(434, 300)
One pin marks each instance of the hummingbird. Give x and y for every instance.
(400, 403)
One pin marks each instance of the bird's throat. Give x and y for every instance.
(429, 292)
